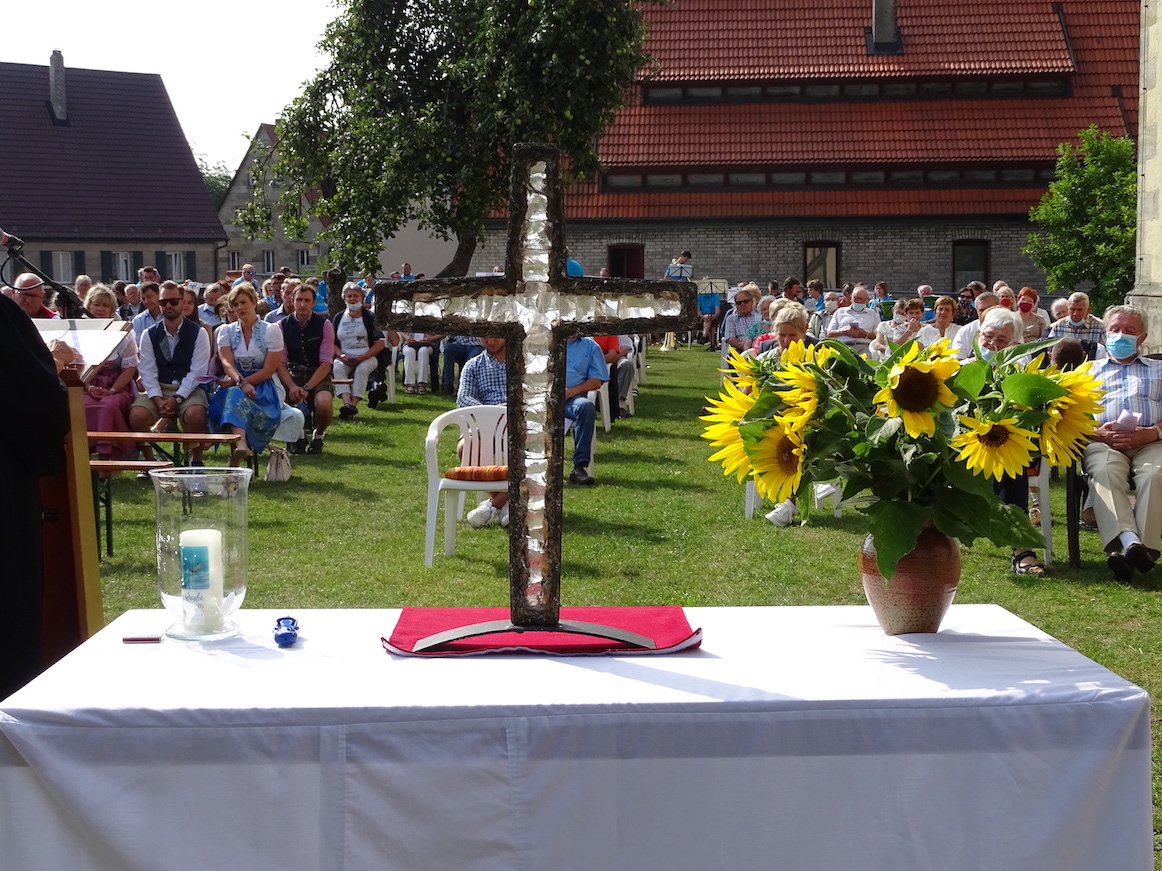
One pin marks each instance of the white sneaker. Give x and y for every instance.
(784, 514)
(502, 516)
(483, 515)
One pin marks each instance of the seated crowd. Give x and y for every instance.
(259, 359)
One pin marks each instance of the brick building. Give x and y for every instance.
(850, 139)
(97, 176)
(280, 250)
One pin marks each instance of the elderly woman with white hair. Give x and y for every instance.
(789, 325)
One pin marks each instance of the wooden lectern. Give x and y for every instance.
(72, 577)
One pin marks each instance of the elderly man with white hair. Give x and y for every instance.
(1127, 446)
(1081, 325)
(962, 343)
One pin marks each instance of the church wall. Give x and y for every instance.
(904, 252)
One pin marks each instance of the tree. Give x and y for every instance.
(1089, 218)
(217, 178)
(415, 115)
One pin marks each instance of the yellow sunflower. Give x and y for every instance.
(802, 397)
(778, 462)
(1064, 433)
(994, 448)
(798, 353)
(741, 370)
(917, 389)
(725, 413)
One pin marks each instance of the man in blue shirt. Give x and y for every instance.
(1126, 446)
(585, 370)
(483, 381)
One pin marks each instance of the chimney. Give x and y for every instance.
(883, 37)
(56, 87)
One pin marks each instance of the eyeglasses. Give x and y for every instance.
(744, 302)
(170, 301)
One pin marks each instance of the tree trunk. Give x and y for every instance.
(335, 281)
(465, 247)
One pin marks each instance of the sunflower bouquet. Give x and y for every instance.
(917, 438)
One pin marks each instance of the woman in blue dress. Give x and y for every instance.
(249, 350)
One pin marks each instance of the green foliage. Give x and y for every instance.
(415, 115)
(217, 178)
(1088, 219)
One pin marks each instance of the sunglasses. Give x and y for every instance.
(170, 301)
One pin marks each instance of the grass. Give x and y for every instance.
(663, 526)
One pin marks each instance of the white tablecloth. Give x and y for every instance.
(795, 738)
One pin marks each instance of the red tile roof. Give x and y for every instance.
(751, 40)
(119, 169)
(716, 40)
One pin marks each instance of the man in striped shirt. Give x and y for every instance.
(1124, 448)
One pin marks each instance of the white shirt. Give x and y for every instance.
(147, 364)
(867, 320)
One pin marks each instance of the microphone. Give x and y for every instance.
(11, 241)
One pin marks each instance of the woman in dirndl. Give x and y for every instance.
(249, 350)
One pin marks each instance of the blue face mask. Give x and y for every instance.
(1120, 345)
(354, 306)
(986, 353)
(1074, 323)
(858, 306)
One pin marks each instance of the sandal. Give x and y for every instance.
(1023, 566)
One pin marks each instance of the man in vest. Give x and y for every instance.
(308, 351)
(174, 354)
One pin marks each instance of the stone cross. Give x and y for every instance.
(536, 308)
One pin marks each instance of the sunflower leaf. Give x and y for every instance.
(970, 380)
(1030, 389)
(895, 527)
(1010, 526)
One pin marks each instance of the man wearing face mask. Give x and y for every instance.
(855, 325)
(1129, 449)
(1080, 325)
(821, 319)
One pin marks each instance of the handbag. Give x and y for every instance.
(278, 467)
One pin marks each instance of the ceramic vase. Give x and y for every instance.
(922, 586)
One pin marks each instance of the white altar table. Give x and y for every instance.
(795, 738)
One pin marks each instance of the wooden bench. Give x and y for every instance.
(178, 441)
(103, 472)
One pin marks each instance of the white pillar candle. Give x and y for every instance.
(202, 576)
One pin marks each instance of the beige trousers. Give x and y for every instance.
(1111, 473)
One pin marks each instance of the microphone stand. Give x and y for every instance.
(66, 297)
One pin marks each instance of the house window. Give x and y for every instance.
(62, 267)
(235, 261)
(821, 260)
(268, 262)
(304, 259)
(175, 265)
(970, 262)
(123, 266)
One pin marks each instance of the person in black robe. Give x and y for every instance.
(36, 419)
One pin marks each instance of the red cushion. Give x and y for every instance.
(478, 473)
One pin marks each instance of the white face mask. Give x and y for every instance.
(831, 305)
(898, 318)
(354, 306)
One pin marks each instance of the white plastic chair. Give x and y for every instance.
(1040, 483)
(640, 357)
(600, 398)
(484, 429)
(820, 492)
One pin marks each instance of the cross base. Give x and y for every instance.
(571, 627)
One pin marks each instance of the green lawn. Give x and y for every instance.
(663, 526)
